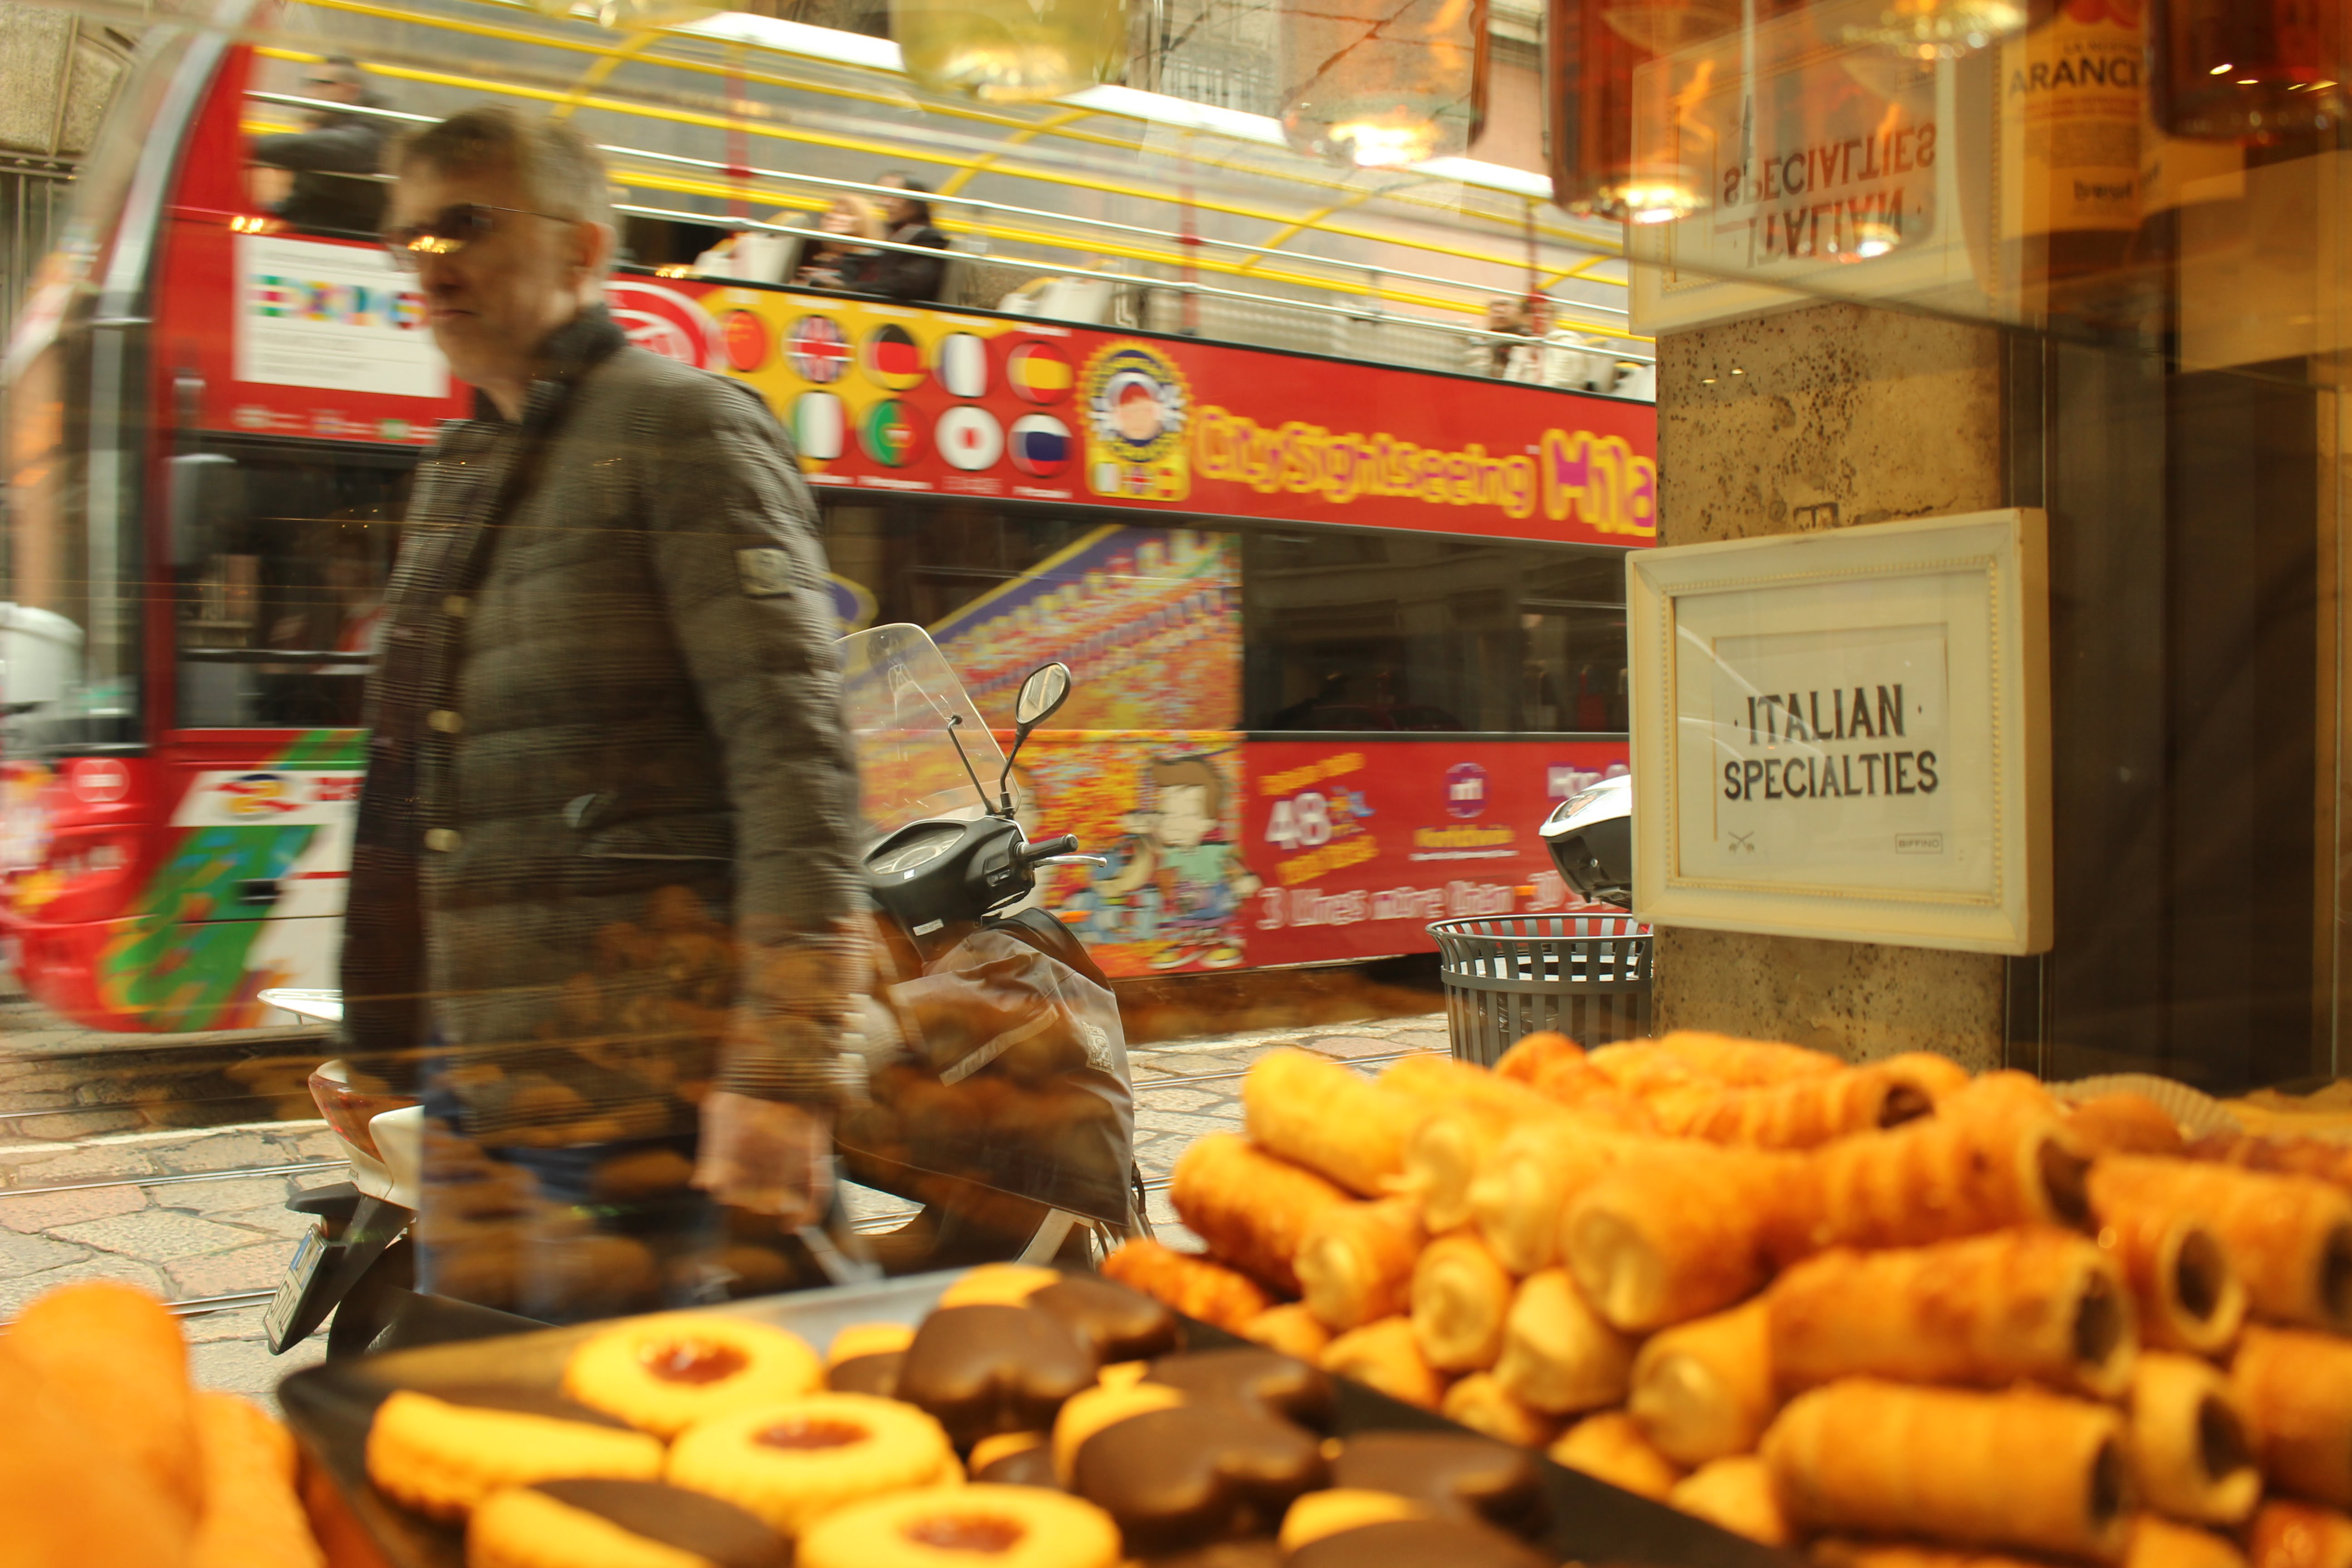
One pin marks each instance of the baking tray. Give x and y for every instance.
(330, 1408)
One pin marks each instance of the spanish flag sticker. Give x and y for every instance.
(889, 436)
(891, 357)
(1038, 373)
(816, 426)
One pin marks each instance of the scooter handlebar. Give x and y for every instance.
(1046, 849)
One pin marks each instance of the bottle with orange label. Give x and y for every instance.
(2072, 94)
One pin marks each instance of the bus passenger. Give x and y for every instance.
(895, 274)
(335, 161)
(607, 830)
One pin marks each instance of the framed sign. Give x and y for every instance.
(1846, 734)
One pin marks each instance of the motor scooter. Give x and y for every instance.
(982, 1005)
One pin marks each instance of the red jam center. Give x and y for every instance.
(692, 1361)
(965, 1532)
(820, 1432)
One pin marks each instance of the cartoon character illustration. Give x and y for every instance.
(1175, 882)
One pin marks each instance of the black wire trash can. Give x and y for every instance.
(1588, 976)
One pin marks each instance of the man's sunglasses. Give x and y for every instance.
(451, 229)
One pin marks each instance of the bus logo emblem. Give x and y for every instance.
(257, 794)
(1465, 790)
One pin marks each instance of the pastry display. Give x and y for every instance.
(989, 1369)
(617, 1524)
(792, 1463)
(2288, 1238)
(1451, 1475)
(2328, 1160)
(2191, 1455)
(1279, 1384)
(1460, 1295)
(1611, 1447)
(1251, 1208)
(1558, 1355)
(865, 1359)
(2124, 1124)
(1738, 1494)
(2286, 1534)
(1677, 1231)
(1355, 1261)
(2160, 1543)
(1517, 1200)
(1705, 1390)
(249, 1516)
(1196, 1472)
(116, 1361)
(2296, 1390)
(1386, 1356)
(1417, 1543)
(662, 1373)
(2035, 1303)
(1867, 1457)
(1293, 1329)
(1005, 1527)
(1195, 1286)
(1319, 1115)
(2189, 1295)
(1803, 1112)
(441, 1453)
(1335, 1509)
(1481, 1402)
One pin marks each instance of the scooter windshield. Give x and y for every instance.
(898, 694)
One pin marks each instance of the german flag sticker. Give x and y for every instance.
(889, 436)
(891, 358)
(1038, 373)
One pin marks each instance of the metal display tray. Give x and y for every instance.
(329, 1407)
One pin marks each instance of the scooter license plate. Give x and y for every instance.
(307, 1256)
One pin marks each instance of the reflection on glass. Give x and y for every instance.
(1939, 29)
(1382, 82)
(1011, 51)
(1595, 93)
(640, 16)
(2250, 70)
(2072, 97)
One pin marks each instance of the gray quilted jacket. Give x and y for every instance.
(609, 815)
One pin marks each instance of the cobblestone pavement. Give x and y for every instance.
(197, 1214)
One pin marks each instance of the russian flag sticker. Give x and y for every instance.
(816, 425)
(1041, 445)
(891, 357)
(1038, 373)
(970, 438)
(889, 437)
(960, 362)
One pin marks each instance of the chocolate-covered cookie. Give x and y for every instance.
(1258, 1553)
(543, 1525)
(1277, 1383)
(1460, 1476)
(1197, 1473)
(1111, 1321)
(1031, 1467)
(980, 1371)
(1419, 1543)
(874, 1375)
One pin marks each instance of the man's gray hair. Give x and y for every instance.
(561, 173)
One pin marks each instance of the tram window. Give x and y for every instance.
(279, 596)
(1401, 631)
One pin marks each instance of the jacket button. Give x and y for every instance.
(447, 720)
(444, 839)
(455, 605)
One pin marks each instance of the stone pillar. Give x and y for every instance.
(1824, 417)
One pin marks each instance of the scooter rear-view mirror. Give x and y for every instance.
(1041, 696)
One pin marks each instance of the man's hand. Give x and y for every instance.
(766, 1155)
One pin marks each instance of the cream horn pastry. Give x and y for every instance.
(1558, 1355)
(2288, 1238)
(1355, 1261)
(1737, 1494)
(1436, 1079)
(1844, 1551)
(1675, 1232)
(1610, 1448)
(1460, 1297)
(1481, 1402)
(1703, 1390)
(1252, 1208)
(2328, 1160)
(2124, 1124)
(2189, 1295)
(1320, 1115)
(2298, 1535)
(1520, 1192)
(1724, 1059)
(1446, 1153)
(1802, 1113)
(2158, 1542)
(2191, 1455)
(1995, 1154)
(2035, 1303)
(1195, 1286)
(2295, 1392)
(1531, 1057)
(1385, 1356)
(1291, 1329)
(2025, 1469)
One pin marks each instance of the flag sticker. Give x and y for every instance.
(816, 425)
(818, 349)
(962, 365)
(970, 438)
(889, 437)
(766, 572)
(892, 359)
(1039, 372)
(1041, 445)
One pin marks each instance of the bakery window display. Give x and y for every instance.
(1894, 1314)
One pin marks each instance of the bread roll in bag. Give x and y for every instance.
(2025, 1468)
(1317, 1114)
(1250, 1207)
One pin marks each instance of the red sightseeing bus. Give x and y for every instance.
(1344, 632)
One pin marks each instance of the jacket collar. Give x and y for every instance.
(569, 352)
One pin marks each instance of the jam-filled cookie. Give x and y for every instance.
(664, 1372)
(965, 1527)
(442, 1454)
(794, 1462)
(617, 1524)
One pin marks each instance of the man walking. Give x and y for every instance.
(604, 862)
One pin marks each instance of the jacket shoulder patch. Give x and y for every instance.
(766, 572)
